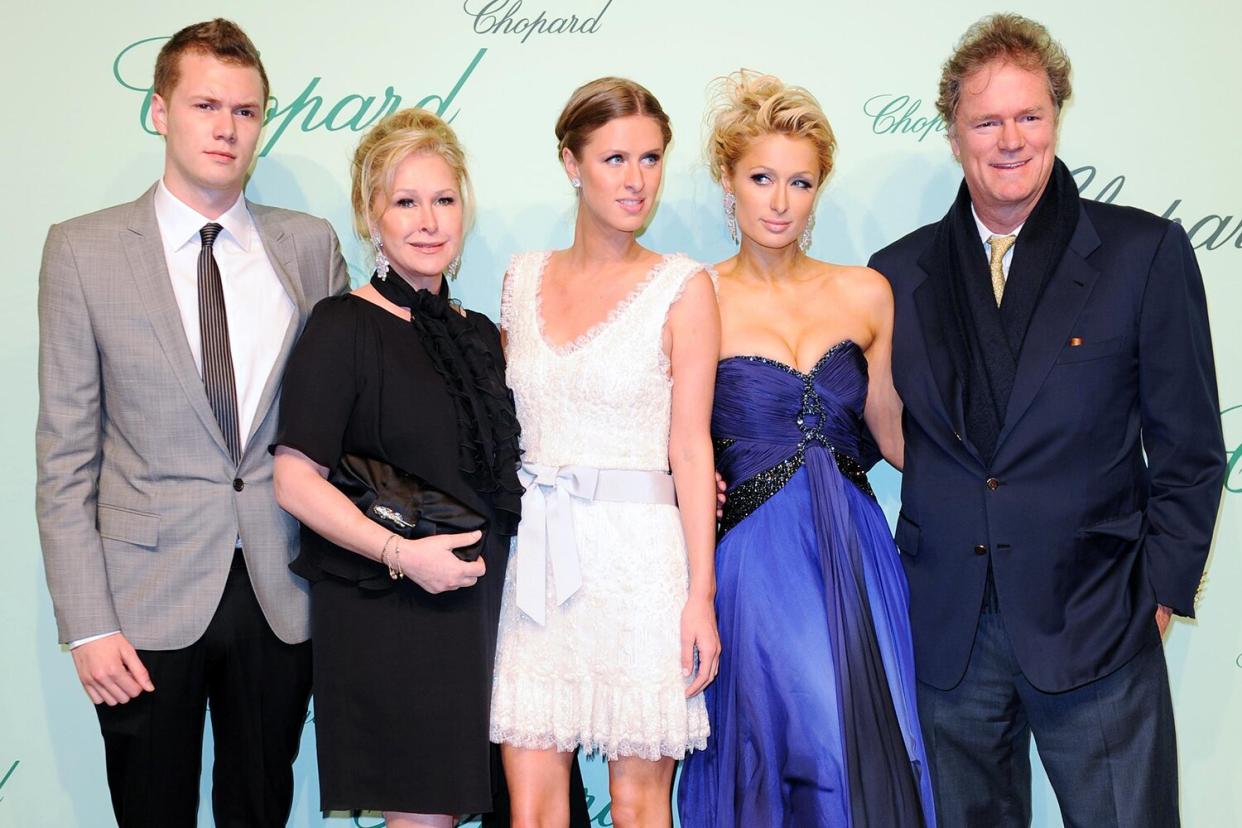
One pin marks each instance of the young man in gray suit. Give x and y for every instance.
(164, 326)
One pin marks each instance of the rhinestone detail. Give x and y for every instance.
(749, 495)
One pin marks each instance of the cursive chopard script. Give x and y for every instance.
(308, 111)
(1211, 232)
(505, 17)
(1233, 467)
(8, 773)
(899, 115)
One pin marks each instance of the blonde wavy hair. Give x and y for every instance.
(747, 105)
(398, 136)
(1009, 37)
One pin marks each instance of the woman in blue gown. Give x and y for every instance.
(813, 714)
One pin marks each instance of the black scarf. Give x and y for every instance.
(987, 340)
(487, 425)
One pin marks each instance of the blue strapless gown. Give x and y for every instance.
(814, 718)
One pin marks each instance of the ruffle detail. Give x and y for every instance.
(487, 427)
(612, 720)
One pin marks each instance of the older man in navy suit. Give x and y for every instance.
(1063, 462)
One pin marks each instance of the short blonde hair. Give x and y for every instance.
(1009, 37)
(404, 133)
(747, 106)
(597, 102)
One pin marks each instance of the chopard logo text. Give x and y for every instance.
(505, 17)
(309, 111)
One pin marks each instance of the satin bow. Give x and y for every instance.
(546, 533)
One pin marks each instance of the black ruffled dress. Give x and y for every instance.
(403, 677)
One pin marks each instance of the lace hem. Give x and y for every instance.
(583, 339)
(642, 750)
(612, 720)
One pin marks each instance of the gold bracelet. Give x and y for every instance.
(392, 573)
(396, 556)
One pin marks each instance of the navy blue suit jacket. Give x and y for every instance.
(1101, 497)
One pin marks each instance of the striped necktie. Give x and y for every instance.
(213, 325)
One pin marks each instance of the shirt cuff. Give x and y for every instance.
(73, 645)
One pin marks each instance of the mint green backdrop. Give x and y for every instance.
(1153, 123)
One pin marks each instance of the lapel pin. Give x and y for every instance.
(1075, 341)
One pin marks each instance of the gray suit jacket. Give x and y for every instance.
(138, 501)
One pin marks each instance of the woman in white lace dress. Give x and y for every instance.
(607, 631)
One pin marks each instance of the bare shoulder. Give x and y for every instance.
(701, 286)
(860, 286)
(697, 295)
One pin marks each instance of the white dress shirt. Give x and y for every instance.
(258, 307)
(259, 310)
(984, 232)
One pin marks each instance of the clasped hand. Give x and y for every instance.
(430, 562)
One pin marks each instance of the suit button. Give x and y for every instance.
(238, 484)
(981, 550)
(993, 483)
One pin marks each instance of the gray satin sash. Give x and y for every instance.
(546, 532)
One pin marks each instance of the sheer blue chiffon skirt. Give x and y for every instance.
(814, 716)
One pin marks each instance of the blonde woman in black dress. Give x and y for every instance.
(404, 632)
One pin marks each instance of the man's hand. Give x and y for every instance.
(1163, 616)
(110, 670)
(721, 485)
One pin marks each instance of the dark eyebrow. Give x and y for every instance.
(408, 191)
(654, 151)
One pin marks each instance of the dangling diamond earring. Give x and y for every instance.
(804, 239)
(453, 267)
(381, 261)
(730, 211)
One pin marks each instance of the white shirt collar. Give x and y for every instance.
(984, 232)
(180, 223)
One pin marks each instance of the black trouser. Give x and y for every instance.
(1108, 746)
(257, 687)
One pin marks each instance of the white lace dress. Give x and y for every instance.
(604, 671)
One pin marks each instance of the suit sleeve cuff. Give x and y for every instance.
(73, 645)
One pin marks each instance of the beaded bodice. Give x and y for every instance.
(768, 415)
(605, 399)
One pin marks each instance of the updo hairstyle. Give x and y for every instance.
(748, 106)
(602, 100)
(398, 136)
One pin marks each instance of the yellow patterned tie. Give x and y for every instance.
(999, 245)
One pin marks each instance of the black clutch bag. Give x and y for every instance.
(405, 504)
